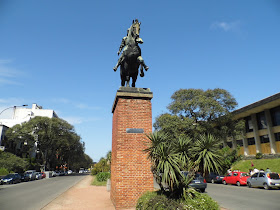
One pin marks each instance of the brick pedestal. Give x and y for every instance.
(130, 169)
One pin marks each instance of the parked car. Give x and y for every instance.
(24, 177)
(43, 175)
(38, 175)
(12, 178)
(267, 180)
(31, 174)
(198, 183)
(214, 177)
(236, 177)
(53, 174)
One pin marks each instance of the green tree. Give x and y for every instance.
(195, 111)
(11, 162)
(101, 166)
(56, 140)
(109, 157)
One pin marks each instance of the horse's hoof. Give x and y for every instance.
(146, 68)
(115, 69)
(142, 74)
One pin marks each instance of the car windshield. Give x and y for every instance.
(274, 176)
(244, 174)
(9, 176)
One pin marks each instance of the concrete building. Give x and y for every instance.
(23, 114)
(262, 122)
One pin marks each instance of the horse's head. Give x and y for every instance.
(135, 28)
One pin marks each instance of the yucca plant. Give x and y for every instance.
(205, 153)
(166, 163)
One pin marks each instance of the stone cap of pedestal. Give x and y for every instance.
(132, 92)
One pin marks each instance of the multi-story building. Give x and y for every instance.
(23, 114)
(262, 122)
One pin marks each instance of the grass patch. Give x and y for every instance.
(245, 165)
(97, 183)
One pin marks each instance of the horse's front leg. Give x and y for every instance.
(142, 63)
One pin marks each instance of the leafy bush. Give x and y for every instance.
(3, 171)
(155, 201)
(191, 200)
(195, 200)
(103, 176)
(259, 155)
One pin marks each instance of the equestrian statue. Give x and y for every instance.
(131, 59)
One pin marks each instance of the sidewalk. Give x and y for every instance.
(82, 196)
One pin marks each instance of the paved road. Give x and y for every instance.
(35, 195)
(237, 198)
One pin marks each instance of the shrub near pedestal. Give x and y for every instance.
(103, 176)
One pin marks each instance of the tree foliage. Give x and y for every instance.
(11, 162)
(195, 111)
(189, 137)
(104, 164)
(53, 141)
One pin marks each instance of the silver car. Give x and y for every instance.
(267, 180)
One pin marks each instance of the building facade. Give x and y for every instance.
(262, 127)
(21, 115)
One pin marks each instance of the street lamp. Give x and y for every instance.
(13, 107)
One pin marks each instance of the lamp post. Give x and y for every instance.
(14, 108)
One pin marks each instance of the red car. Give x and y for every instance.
(43, 175)
(236, 177)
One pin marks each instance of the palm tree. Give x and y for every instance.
(205, 153)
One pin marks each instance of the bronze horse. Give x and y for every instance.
(131, 59)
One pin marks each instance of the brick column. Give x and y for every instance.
(131, 174)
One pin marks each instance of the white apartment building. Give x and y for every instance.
(23, 114)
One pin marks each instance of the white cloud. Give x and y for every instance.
(4, 61)
(8, 74)
(76, 105)
(78, 120)
(227, 26)
(85, 106)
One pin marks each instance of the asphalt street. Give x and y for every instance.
(236, 198)
(35, 195)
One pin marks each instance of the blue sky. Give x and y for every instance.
(60, 55)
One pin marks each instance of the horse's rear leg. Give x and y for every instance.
(127, 81)
(134, 81)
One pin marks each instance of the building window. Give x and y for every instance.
(275, 115)
(264, 139)
(261, 121)
(249, 124)
(239, 142)
(277, 136)
(251, 141)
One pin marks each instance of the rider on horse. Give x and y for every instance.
(123, 47)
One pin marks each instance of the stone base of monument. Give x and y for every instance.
(131, 174)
